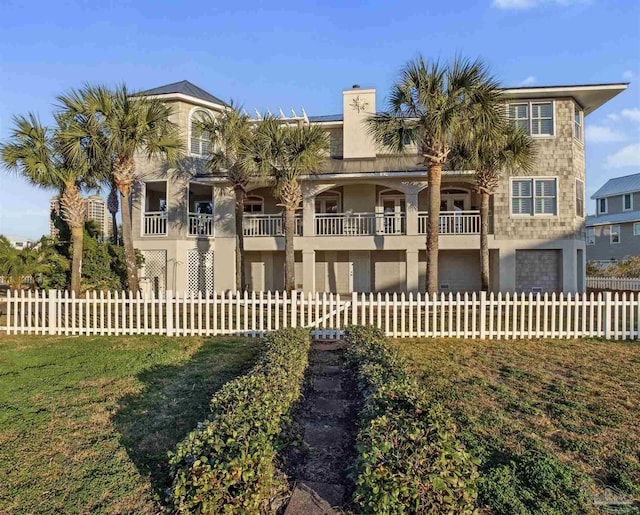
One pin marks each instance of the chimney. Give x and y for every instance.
(357, 105)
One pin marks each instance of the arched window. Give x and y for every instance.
(328, 202)
(253, 204)
(200, 140)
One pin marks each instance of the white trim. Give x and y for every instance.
(533, 197)
(192, 112)
(606, 206)
(584, 196)
(611, 242)
(636, 228)
(577, 108)
(530, 103)
(189, 99)
(631, 205)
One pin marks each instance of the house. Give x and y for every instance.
(362, 223)
(613, 233)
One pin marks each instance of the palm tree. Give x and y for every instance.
(490, 155)
(129, 125)
(230, 135)
(40, 156)
(434, 106)
(113, 206)
(282, 153)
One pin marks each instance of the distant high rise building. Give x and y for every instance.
(95, 209)
(54, 206)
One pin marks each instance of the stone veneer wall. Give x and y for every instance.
(563, 157)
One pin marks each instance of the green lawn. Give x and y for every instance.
(553, 422)
(86, 423)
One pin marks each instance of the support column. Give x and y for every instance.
(308, 271)
(413, 271)
(308, 212)
(569, 268)
(411, 200)
(507, 270)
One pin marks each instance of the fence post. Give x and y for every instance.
(483, 315)
(607, 315)
(53, 312)
(168, 297)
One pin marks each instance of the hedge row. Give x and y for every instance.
(227, 465)
(408, 458)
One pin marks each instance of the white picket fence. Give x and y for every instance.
(609, 315)
(614, 283)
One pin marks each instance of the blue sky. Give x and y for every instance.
(280, 54)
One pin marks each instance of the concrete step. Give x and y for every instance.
(306, 501)
(328, 406)
(331, 384)
(322, 435)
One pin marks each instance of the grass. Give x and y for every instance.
(554, 422)
(86, 423)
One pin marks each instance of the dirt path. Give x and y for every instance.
(326, 424)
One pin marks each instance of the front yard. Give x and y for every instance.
(553, 422)
(86, 423)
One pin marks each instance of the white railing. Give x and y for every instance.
(614, 283)
(155, 223)
(200, 224)
(268, 225)
(359, 224)
(453, 222)
(609, 315)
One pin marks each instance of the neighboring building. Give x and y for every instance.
(613, 233)
(363, 220)
(95, 209)
(21, 243)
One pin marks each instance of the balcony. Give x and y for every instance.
(201, 225)
(359, 224)
(453, 222)
(268, 225)
(155, 223)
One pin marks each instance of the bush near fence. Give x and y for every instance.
(408, 458)
(228, 464)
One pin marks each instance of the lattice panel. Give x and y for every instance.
(200, 270)
(155, 268)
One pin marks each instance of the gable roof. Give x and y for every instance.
(185, 88)
(618, 186)
(616, 218)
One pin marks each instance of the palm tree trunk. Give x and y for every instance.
(289, 256)
(114, 229)
(72, 211)
(433, 228)
(484, 240)
(241, 284)
(129, 251)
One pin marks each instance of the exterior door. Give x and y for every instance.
(452, 203)
(393, 209)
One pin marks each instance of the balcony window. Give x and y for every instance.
(533, 197)
(627, 202)
(536, 118)
(614, 234)
(200, 139)
(328, 203)
(200, 214)
(591, 236)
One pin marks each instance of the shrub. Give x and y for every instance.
(409, 459)
(227, 465)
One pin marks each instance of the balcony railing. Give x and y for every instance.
(200, 224)
(359, 224)
(269, 225)
(155, 223)
(453, 222)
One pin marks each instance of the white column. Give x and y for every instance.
(308, 212)
(411, 200)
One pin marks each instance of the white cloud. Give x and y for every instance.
(613, 117)
(627, 75)
(627, 156)
(529, 81)
(632, 114)
(530, 4)
(603, 134)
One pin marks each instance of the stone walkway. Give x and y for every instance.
(326, 423)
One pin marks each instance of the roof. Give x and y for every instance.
(378, 164)
(616, 218)
(618, 186)
(184, 87)
(326, 118)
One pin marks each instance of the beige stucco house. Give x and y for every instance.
(363, 220)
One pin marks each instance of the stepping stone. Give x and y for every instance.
(327, 385)
(330, 406)
(330, 358)
(326, 369)
(332, 494)
(329, 346)
(306, 501)
(323, 436)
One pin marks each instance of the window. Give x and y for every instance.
(636, 229)
(200, 142)
(533, 197)
(591, 235)
(253, 204)
(577, 125)
(579, 198)
(602, 206)
(536, 118)
(614, 234)
(627, 202)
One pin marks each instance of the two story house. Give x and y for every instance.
(613, 233)
(363, 220)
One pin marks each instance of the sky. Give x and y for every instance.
(271, 54)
